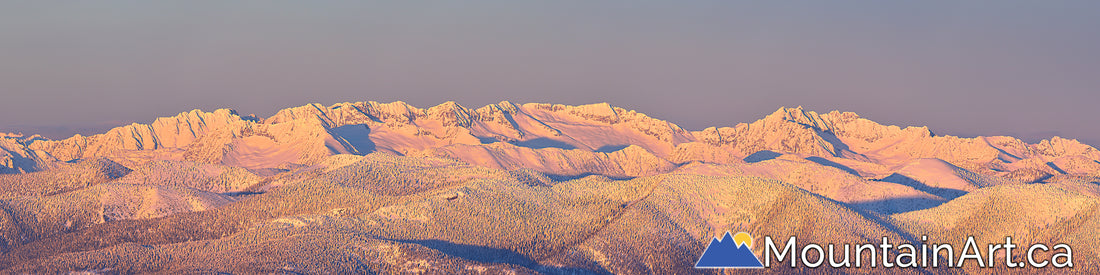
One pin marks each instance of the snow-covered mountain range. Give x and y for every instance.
(525, 188)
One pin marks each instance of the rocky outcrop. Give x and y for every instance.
(15, 157)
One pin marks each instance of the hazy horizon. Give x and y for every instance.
(1020, 68)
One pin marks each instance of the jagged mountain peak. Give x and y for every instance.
(165, 132)
(549, 187)
(305, 134)
(1058, 146)
(452, 114)
(800, 116)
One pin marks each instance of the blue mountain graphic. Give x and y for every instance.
(726, 253)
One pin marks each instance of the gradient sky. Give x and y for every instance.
(1025, 68)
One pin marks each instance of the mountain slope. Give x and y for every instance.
(307, 134)
(368, 187)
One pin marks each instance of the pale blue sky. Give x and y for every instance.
(1028, 68)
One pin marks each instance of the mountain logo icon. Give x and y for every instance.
(732, 251)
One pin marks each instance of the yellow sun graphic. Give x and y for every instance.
(743, 238)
